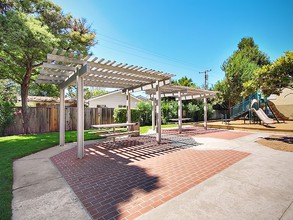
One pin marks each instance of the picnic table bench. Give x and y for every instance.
(133, 130)
(177, 119)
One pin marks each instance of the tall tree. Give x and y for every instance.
(184, 81)
(222, 98)
(28, 31)
(271, 79)
(240, 66)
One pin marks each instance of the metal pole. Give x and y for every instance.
(205, 99)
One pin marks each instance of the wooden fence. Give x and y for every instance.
(46, 119)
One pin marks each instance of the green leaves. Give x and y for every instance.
(240, 67)
(271, 79)
(7, 104)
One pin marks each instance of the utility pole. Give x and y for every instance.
(205, 99)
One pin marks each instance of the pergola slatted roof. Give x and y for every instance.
(65, 68)
(62, 70)
(186, 93)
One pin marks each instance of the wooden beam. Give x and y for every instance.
(112, 81)
(62, 118)
(59, 67)
(126, 77)
(55, 50)
(158, 113)
(58, 78)
(135, 72)
(80, 118)
(107, 85)
(179, 113)
(65, 59)
(72, 78)
(39, 81)
(205, 109)
(153, 113)
(55, 73)
(128, 104)
(149, 85)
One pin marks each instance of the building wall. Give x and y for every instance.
(112, 101)
(284, 102)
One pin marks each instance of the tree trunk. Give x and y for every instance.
(24, 96)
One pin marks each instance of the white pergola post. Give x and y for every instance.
(80, 117)
(205, 113)
(179, 112)
(128, 104)
(158, 113)
(62, 118)
(153, 113)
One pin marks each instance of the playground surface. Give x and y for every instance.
(286, 127)
(218, 174)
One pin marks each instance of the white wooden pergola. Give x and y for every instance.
(181, 93)
(64, 69)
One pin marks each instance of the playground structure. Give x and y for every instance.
(256, 108)
(260, 113)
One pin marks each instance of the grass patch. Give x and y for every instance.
(145, 129)
(17, 146)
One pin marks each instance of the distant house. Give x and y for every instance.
(115, 99)
(43, 101)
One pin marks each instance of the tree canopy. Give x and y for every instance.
(271, 79)
(29, 29)
(240, 66)
(184, 81)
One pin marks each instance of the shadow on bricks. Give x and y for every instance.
(125, 179)
(105, 180)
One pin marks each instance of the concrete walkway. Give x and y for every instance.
(259, 186)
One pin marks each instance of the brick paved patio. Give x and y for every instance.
(201, 132)
(125, 180)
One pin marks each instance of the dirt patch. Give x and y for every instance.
(283, 143)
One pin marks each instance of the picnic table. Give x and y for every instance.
(177, 119)
(113, 132)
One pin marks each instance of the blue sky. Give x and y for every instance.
(184, 37)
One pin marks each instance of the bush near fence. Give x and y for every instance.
(46, 119)
(120, 115)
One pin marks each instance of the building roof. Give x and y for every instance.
(109, 94)
(46, 99)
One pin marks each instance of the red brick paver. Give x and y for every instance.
(111, 186)
(227, 135)
(213, 133)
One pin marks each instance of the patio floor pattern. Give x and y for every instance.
(211, 133)
(134, 175)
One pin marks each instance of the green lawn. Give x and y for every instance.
(17, 146)
(145, 129)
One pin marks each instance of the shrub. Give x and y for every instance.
(120, 115)
(169, 110)
(7, 104)
(145, 109)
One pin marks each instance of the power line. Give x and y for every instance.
(205, 77)
(146, 51)
(144, 57)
